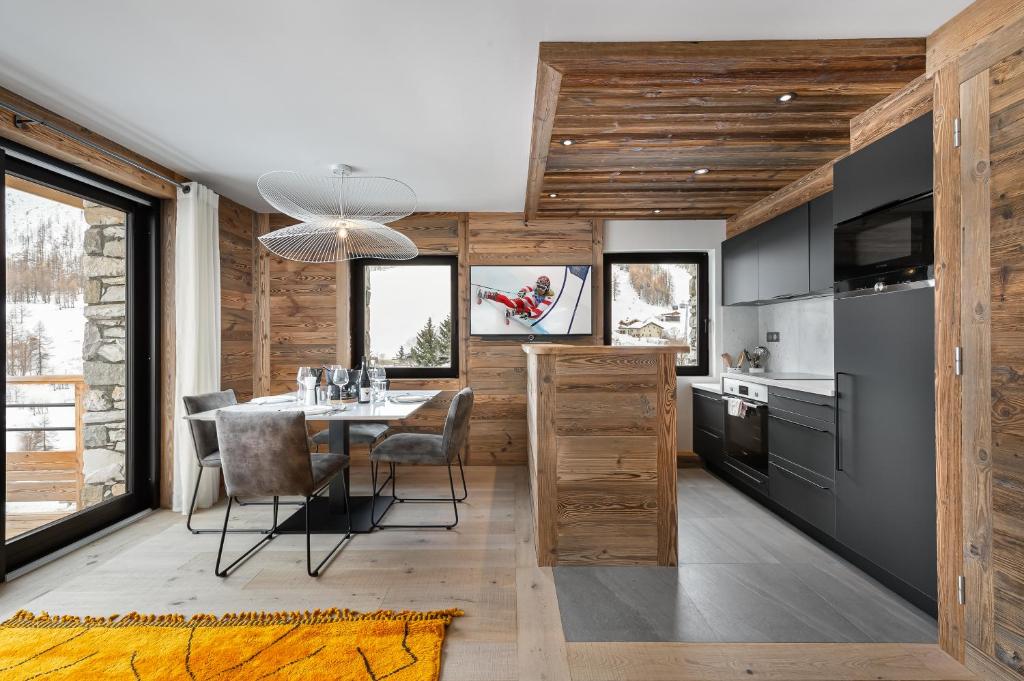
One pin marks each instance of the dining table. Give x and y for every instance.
(327, 513)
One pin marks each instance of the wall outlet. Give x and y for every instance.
(773, 337)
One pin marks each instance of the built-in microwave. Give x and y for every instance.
(891, 245)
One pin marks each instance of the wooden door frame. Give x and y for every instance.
(953, 291)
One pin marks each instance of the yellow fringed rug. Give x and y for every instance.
(328, 644)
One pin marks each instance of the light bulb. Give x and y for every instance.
(342, 233)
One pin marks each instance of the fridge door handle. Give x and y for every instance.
(839, 423)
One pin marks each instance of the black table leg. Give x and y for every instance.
(327, 514)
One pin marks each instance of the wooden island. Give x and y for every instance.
(602, 453)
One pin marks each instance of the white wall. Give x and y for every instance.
(626, 236)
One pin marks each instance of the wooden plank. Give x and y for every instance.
(236, 223)
(545, 479)
(947, 243)
(65, 149)
(261, 308)
(545, 104)
(971, 27)
(766, 661)
(810, 186)
(168, 359)
(666, 465)
(976, 388)
(892, 113)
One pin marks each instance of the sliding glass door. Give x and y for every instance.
(79, 330)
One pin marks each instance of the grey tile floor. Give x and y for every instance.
(744, 575)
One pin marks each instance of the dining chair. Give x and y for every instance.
(267, 455)
(425, 449)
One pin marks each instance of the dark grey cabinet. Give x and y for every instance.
(783, 258)
(895, 168)
(708, 425)
(821, 233)
(739, 269)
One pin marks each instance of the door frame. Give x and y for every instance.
(142, 304)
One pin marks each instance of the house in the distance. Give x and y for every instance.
(652, 328)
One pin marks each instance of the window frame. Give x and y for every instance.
(359, 317)
(699, 258)
(142, 343)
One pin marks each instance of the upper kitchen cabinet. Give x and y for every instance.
(783, 256)
(739, 269)
(895, 168)
(822, 235)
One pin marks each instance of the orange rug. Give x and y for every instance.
(328, 644)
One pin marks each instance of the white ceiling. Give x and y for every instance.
(438, 93)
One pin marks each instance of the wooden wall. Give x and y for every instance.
(236, 297)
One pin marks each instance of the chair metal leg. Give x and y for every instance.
(256, 547)
(465, 491)
(310, 570)
(453, 499)
(192, 508)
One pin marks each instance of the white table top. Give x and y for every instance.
(350, 411)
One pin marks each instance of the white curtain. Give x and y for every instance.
(197, 331)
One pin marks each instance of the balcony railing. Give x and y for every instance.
(46, 475)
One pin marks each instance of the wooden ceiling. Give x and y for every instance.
(643, 116)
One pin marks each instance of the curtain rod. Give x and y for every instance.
(23, 120)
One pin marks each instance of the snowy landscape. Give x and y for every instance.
(655, 304)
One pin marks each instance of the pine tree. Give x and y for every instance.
(401, 354)
(444, 340)
(424, 350)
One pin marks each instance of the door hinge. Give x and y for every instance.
(956, 132)
(961, 589)
(958, 361)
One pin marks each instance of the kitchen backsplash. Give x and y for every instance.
(805, 330)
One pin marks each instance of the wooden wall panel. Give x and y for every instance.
(495, 369)
(236, 297)
(892, 113)
(976, 24)
(168, 365)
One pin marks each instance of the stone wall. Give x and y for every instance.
(104, 267)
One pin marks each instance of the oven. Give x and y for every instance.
(891, 245)
(746, 431)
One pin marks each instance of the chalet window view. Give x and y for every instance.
(659, 300)
(504, 341)
(406, 313)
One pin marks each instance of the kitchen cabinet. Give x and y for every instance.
(821, 233)
(708, 424)
(739, 268)
(783, 258)
(894, 168)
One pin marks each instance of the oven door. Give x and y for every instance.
(889, 240)
(746, 439)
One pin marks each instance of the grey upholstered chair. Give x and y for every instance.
(358, 434)
(425, 449)
(267, 455)
(204, 437)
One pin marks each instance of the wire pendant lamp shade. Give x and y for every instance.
(343, 217)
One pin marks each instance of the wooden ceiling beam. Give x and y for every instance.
(545, 102)
(681, 124)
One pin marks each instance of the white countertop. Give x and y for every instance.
(815, 384)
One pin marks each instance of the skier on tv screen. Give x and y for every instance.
(529, 303)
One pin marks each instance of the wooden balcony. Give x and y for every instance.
(47, 475)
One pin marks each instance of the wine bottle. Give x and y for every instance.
(364, 383)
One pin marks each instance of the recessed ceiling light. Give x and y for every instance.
(657, 210)
(552, 196)
(786, 97)
(567, 143)
(701, 171)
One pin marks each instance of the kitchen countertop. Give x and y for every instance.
(815, 384)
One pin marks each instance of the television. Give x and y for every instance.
(530, 300)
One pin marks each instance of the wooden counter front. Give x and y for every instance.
(602, 453)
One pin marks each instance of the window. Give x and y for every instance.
(80, 330)
(405, 314)
(657, 299)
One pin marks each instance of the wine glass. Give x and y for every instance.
(339, 376)
(303, 373)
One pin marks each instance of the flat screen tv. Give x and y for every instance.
(528, 300)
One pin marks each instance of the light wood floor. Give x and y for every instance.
(486, 566)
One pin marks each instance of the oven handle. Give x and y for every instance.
(750, 405)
